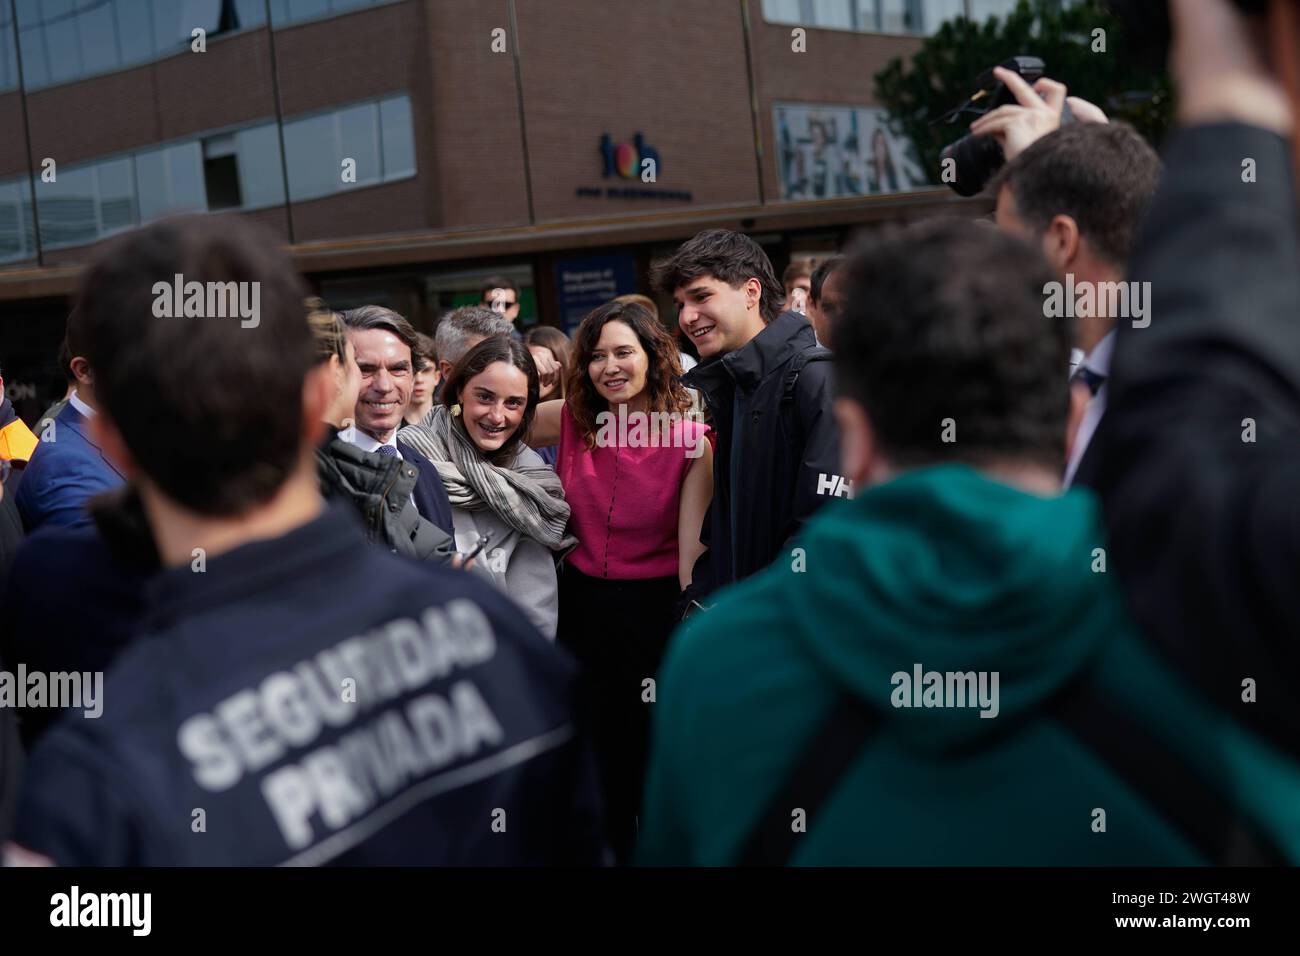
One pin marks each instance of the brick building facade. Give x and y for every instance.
(487, 136)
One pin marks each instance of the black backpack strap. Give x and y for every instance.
(790, 384)
(813, 353)
(1180, 794)
(827, 757)
(1172, 787)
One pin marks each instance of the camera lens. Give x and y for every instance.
(975, 160)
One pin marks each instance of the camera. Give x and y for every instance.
(976, 158)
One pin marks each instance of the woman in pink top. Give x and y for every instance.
(638, 474)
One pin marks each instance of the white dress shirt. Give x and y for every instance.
(75, 401)
(355, 436)
(1098, 360)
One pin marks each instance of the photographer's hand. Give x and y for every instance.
(1015, 127)
(1219, 72)
(1038, 113)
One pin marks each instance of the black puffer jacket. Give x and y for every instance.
(777, 457)
(380, 489)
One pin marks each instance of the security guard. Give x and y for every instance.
(295, 696)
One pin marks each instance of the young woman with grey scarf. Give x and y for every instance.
(497, 485)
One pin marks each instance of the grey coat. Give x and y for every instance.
(519, 566)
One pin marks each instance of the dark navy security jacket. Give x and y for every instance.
(316, 700)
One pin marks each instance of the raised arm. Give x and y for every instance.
(1199, 450)
(546, 424)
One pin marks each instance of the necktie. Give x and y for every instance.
(1093, 379)
(387, 450)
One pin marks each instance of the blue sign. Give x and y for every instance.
(583, 284)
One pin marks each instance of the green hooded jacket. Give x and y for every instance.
(945, 570)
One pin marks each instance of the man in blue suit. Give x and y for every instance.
(68, 467)
(385, 348)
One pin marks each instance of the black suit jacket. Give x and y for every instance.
(11, 523)
(1197, 459)
(430, 494)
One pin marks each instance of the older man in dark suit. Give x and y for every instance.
(385, 347)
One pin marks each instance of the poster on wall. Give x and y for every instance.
(585, 282)
(830, 152)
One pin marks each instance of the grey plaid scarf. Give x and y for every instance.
(529, 499)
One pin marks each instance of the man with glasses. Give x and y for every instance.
(501, 295)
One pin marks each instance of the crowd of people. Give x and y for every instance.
(905, 568)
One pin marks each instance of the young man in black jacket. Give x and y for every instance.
(768, 389)
(1198, 456)
(294, 695)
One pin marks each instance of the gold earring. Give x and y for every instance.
(455, 411)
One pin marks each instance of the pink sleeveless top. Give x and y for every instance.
(625, 499)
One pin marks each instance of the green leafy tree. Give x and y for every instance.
(942, 73)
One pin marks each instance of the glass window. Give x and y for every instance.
(16, 239)
(398, 136)
(30, 33)
(116, 194)
(833, 13)
(935, 13)
(185, 177)
(260, 178)
(62, 46)
(249, 13)
(151, 174)
(782, 11)
(135, 30)
(97, 34)
(310, 147)
(169, 31)
(981, 10)
(899, 16)
(200, 13)
(359, 140)
(306, 9)
(67, 208)
(170, 181)
(8, 53)
(221, 173)
(36, 71)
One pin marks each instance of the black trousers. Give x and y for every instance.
(618, 631)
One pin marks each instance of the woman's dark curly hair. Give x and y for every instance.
(664, 389)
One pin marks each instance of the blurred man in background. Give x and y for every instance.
(501, 295)
(825, 298)
(68, 467)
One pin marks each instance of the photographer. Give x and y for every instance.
(1078, 192)
(1198, 457)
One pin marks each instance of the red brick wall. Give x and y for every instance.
(673, 70)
